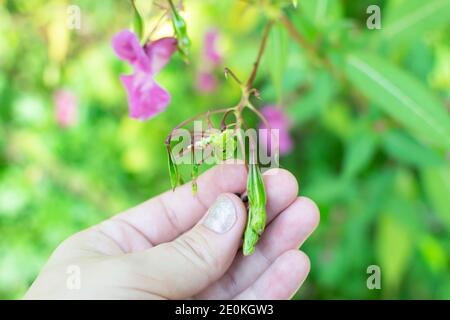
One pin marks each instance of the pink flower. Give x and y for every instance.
(206, 82)
(159, 53)
(127, 47)
(210, 47)
(66, 108)
(277, 119)
(211, 58)
(145, 97)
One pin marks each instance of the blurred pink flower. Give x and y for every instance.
(211, 58)
(159, 53)
(126, 45)
(145, 97)
(210, 47)
(66, 108)
(277, 119)
(206, 82)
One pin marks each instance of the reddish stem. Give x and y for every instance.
(262, 47)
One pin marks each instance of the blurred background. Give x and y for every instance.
(369, 112)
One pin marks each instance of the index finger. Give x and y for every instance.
(165, 217)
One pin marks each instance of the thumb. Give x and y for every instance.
(185, 266)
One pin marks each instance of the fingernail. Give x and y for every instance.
(221, 216)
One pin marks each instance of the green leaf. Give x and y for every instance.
(394, 246)
(277, 53)
(338, 119)
(409, 20)
(315, 100)
(400, 96)
(404, 148)
(360, 150)
(433, 253)
(436, 182)
(321, 12)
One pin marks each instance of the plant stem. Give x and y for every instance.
(227, 71)
(298, 37)
(322, 61)
(262, 47)
(203, 114)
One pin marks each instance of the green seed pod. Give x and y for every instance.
(256, 198)
(194, 183)
(256, 207)
(175, 177)
(179, 27)
(250, 238)
(194, 173)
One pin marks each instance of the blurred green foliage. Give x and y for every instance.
(370, 112)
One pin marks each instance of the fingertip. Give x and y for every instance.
(312, 212)
(286, 275)
(301, 265)
(229, 177)
(284, 178)
(302, 261)
(282, 190)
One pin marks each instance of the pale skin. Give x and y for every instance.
(161, 249)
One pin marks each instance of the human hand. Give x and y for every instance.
(167, 248)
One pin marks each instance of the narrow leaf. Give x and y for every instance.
(394, 245)
(321, 12)
(436, 182)
(404, 148)
(360, 149)
(401, 96)
(276, 57)
(409, 20)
